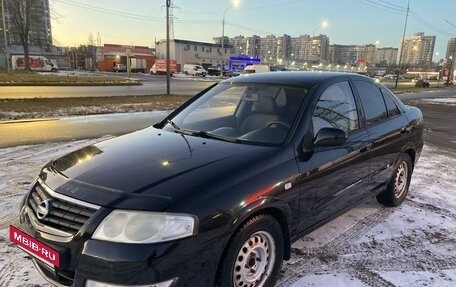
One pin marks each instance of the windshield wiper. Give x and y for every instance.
(200, 133)
(206, 134)
(178, 129)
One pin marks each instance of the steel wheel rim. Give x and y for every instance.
(255, 260)
(400, 181)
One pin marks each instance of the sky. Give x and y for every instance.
(141, 22)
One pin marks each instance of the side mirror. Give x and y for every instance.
(327, 137)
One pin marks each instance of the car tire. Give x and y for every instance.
(186, 73)
(398, 186)
(254, 255)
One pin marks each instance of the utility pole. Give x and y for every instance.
(7, 56)
(402, 45)
(168, 74)
(451, 66)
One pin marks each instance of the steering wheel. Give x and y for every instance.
(280, 123)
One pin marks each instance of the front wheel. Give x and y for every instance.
(399, 183)
(254, 255)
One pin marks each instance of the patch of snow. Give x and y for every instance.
(444, 278)
(333, 280)
(439, 101)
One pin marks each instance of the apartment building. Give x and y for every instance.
(386, 56)
(246, 45)
(319, 52)
(40, 25)
(276, 50)
(451, 48)
(417, 49)
(352, 54)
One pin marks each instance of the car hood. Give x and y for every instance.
(147, 169)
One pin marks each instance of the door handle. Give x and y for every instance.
(368, 147)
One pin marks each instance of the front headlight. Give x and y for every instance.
(129, 226)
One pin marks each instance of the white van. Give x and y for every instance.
(256, 69)
(36, 63)
(194, 70)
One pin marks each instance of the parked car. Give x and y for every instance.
(213, 71)
(251, 69)
(119, 68)
(421, 83)
(230, 73)
(194, 70)
(215, 194)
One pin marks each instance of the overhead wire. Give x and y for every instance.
(384, 7)
(111, 12)
(422, 21)
(397, 9)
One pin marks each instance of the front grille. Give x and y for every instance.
(62, 215)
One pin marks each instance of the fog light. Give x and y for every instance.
(169, 283)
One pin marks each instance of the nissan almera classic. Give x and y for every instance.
(215, 193)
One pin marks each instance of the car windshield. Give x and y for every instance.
(247, 113)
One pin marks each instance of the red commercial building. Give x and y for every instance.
(141, 58)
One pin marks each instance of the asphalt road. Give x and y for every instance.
(150, 87)
(439, 124)
(16, 133)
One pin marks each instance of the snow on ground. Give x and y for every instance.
(440, 101)
(412, 245)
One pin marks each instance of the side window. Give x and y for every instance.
(393, 110)
(336, 108)
(372, 101)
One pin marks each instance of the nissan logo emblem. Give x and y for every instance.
(43, 209)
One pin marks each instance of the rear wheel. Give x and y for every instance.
(399, 184)
(254, 255)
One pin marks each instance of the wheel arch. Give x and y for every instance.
(277, 209)
(411, 152)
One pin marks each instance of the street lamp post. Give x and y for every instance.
(322, 25)
(233, 3)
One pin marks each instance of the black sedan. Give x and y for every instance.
(215, 194)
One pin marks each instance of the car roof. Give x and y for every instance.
(295, 78)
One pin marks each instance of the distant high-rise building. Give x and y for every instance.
(283, 47)
(40, 24)
(301, 47)
(351, 54)
(248, 46)
(386, 56)
(319, 49)
(417, 49)
(252, 47)
(268, 48)
(451, 48)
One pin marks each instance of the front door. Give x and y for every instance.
(332, 178)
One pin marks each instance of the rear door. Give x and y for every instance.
(332, 178)
(387, 127)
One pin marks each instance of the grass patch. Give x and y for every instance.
(18, 78)
(15, 109)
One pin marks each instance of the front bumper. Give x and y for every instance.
(134, 264)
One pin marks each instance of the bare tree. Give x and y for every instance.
(21, 13)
